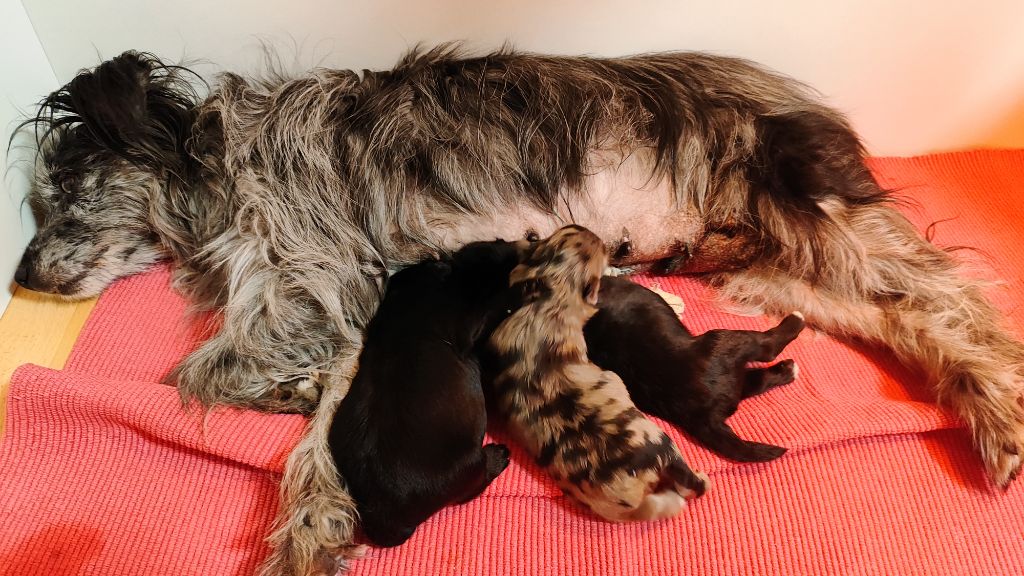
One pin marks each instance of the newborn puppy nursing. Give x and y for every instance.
(695, 382)
(407, 437)
(576, 419)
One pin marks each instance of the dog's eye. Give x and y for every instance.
(69, 186)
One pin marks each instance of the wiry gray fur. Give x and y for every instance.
(284, 203)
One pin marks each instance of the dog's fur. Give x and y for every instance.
(694, 382)
(574, 418)
(407, 437)
(283, 203)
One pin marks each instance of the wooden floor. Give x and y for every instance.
(39, 329)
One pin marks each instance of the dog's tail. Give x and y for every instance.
(721, 439)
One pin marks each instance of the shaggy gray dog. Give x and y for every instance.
(284, 203)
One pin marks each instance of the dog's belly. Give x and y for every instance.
(620, 202)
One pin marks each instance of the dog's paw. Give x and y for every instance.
(993, 407)
(299, 394)
(1007, 466)
(1003, 458)
(1001, 443)
(216, 374)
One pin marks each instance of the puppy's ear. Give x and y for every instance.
(591, 289)
(523, 248)
(531, 290)
(134, 105)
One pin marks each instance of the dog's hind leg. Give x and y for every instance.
(877, 279)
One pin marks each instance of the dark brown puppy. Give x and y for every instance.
(695, 382)
(407, 437)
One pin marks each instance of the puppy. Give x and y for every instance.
(695, 382)
(407, 437)
(576, 419)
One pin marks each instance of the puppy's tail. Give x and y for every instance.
(721, 439)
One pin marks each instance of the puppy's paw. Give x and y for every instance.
(702, 486)
(793, 324)
(707, 481)
(674, 301)
(497, 458)
(781, 373)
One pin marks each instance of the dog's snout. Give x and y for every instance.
(21, 275)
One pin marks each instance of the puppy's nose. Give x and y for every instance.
(21, 274)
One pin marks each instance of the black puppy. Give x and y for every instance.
(695, 382)
(407, 437)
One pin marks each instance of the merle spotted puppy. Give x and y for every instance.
(695, 382)
(407, 437)
(576, 419)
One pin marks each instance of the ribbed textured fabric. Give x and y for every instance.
(101, 472)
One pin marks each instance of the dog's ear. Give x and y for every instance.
(133, 105)
(111, 99)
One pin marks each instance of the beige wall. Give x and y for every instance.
(914, 75)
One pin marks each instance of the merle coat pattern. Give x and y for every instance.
(574, 418)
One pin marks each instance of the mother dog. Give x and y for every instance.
(284, 203)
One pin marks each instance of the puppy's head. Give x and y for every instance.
(570, 261)
(109, 141)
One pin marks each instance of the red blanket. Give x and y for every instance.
(102, 473)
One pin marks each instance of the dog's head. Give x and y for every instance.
(109, 140)
(572, 260)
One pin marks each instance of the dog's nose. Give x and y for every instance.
(21, 274)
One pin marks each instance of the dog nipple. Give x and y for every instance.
(625, 247)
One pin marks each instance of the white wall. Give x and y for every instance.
(25, 77)
(915, 75)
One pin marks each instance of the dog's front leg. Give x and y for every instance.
(276, 338)
(314, 529)
(218, 372)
